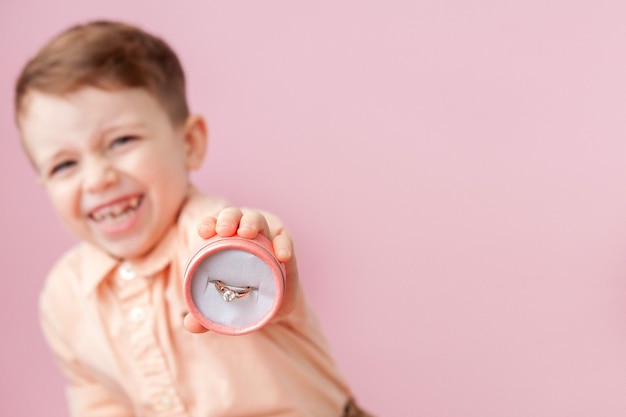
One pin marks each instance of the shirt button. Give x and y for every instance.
(126, 272)
(166, 401)
(137, 314)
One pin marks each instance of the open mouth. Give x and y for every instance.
(116, 212)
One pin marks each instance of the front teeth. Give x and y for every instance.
(118, 211)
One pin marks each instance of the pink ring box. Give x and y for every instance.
(246, 266)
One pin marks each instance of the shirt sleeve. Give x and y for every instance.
(85, 395)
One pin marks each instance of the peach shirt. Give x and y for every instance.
(117, 332)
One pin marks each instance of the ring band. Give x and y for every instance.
(229, 294)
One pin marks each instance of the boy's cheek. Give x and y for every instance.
(64, 203)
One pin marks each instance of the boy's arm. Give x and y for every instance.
(248, 224)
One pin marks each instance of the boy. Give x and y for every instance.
(104, 120)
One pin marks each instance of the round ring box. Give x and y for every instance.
(234, 285)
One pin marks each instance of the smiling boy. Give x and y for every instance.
(104, 120)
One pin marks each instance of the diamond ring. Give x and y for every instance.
(229, 294)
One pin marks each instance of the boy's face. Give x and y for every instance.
(113, 164)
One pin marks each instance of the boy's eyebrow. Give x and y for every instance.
(58, 153)
(122, 125)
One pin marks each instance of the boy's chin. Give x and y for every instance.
(125, 250)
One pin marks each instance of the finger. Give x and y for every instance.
(283, 247)
(206, 228)
(251, 224)
(292, 286)
(193, 325)
(228, 221)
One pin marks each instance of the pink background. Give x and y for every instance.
(453, 173)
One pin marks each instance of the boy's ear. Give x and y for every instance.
(196, 139)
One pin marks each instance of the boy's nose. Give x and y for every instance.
(99, 174)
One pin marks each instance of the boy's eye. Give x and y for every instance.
(122, 141)
(62, 166)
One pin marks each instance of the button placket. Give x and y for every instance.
(135, 293)
(132, 291)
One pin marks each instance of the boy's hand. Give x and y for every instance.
(248, 224)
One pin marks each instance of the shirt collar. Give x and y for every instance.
(97, 265)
